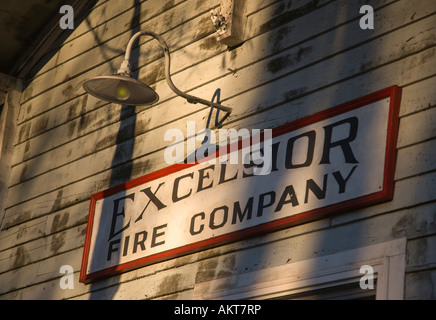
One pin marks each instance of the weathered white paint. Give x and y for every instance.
(62, 133)
(61, 129)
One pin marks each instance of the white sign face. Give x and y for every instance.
(336, 160)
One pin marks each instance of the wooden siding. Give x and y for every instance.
(300, 57)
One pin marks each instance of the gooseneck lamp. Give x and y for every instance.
(122, 88)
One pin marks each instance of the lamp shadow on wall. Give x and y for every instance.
(121, 172)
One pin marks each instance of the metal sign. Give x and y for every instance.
(339, 159)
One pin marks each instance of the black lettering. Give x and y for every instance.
(156, 234)
(112, 249)
(138, 242)
(289, 193)
(275, 150)
(126, 245)
(223, 174)
(317, 191)
(203, 176)
(191, 227)
(262, 205)
(343, 143)
(311, 135)
(341, 181)
(151, 198)
(115, 214)
(212, 223)
(238, 213)
(175, 196)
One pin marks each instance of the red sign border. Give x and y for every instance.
(386, 194)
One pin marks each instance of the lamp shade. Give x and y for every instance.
(121, 89)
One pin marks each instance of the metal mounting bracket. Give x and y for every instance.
(230, 22)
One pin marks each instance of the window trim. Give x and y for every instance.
(387, 259)
(11, 89)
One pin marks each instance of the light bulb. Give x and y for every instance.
(122, 91)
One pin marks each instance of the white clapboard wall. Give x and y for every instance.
(299, 57)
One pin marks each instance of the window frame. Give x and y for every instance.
(387, 259)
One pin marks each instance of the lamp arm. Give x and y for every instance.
(125, 68)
